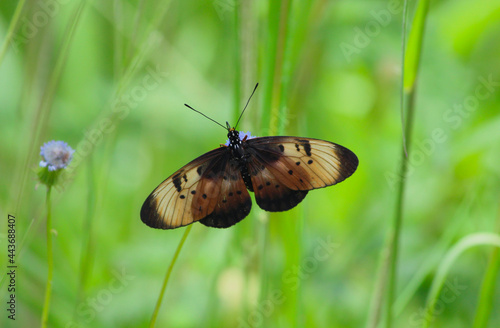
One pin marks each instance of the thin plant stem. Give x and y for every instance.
(279, 12)
(466, 243)
(138, 15)
(167, 276)
(398, 217)
(487, 293)
(12, 28)
(411, 64)
(238, 62)
(87, 254)
(50, 262)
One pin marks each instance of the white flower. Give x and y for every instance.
(56, 155)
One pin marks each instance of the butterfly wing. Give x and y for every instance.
(270, 193)
(283, 169)
(233, 201)
(195, 193)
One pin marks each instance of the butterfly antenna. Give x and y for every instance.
(211, 119)
(246, 105)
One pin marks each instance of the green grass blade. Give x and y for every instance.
(398, 217)
(487, 293)
(87, 248)
(12, 29)
(410, 71)
(167, 276)
(272, 112)
(414, 47)
(477, 239)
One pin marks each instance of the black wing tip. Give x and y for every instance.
(349, 161)
(147, 212)
(149, 215)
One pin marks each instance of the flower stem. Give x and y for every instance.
(50, 262)
(167, 276)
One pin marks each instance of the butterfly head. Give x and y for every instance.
(233, 137)
(236, 137)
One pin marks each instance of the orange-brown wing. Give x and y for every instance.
(232, 202)
(170, 205)
(270, 193)
(283, 169)
(195, 192)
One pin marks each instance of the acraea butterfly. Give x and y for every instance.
(212, 189)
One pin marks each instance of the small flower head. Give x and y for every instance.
(56, 155)
(242, 136)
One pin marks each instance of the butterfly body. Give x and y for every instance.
(212, 189)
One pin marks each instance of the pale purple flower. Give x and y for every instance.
(242, 136)
(56, 155)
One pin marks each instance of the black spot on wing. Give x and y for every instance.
(282, 148)
(307, 148)
(177, 182)
(305, 144)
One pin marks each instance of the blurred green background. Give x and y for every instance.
(111, 79)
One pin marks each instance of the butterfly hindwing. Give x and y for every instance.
(270, 193)
(233, 202)
(293, 166)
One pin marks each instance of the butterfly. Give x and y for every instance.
(213, 188)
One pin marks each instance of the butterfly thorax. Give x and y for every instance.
(240, 156)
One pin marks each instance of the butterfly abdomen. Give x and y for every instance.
(245, 175)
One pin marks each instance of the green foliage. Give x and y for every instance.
(111, 78)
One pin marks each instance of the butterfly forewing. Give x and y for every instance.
(303, 163)
(179, 200)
